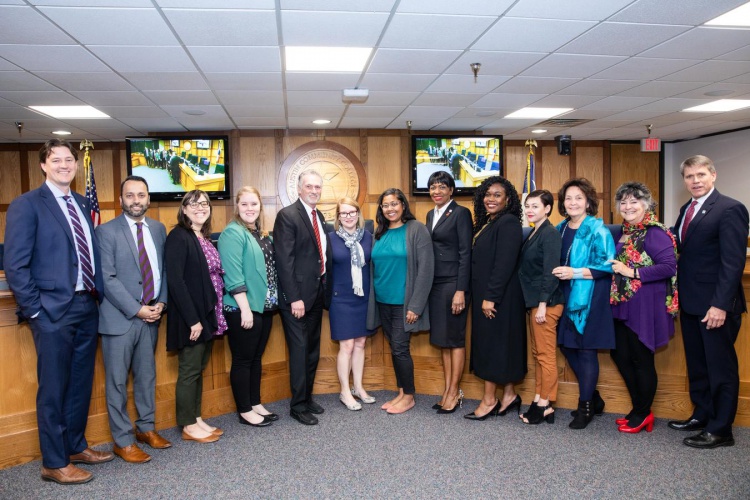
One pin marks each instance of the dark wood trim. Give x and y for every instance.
(24, 164)
(608, 216)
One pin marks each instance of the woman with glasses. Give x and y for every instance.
(403, 267)
(194, 314)
(450, 227)
(347, 294)
(498, 335)
(250, 299)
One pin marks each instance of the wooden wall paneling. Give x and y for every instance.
(2, 224)
(515, 166)
(10, 176)
(629, 164)
(36, 176)
(257, 165)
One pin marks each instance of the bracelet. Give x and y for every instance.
(578, 273)
(635, 274)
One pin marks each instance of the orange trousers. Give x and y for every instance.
(544, 349)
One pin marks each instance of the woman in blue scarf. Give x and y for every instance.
(585, 276)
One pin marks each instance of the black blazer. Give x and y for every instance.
(712, 257)
(297, 256)
(540, 254)
(451, 245)
(192, 297)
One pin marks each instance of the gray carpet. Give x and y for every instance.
(370, 454)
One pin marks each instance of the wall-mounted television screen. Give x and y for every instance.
(173, 166)
(470, 159)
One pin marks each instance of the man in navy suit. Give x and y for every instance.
(52, 266)
(300, 263)
(712, 232)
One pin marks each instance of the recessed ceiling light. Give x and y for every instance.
(70, 111)
(61, 132)
(718, 93)
(736, 17)
(194, 112)
(539, 131)
(538, 112)
(321, 122)
(721, 106)
(326, 58)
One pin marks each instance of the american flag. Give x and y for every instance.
(91, 195)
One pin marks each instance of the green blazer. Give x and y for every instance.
(244, 266)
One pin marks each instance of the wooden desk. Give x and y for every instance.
(471, 177)
(207, 182)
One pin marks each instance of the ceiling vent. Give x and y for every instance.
(563, 122)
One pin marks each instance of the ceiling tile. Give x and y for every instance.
(617, 103)
(120, 112)
(244, 81)
(572, 66)
(412, 61)
(466, 84)
(210, 111)
(429, 112)
(154, 124)
(502, 100)
(483, 7)
(218, 4)
(69, 58)
(238, 111)
(351, 122)
(443, 98)
(584, 10)
(742, 54)
(395, 82)
(313, 112)
(718, 70)
(112, 26)
(341, 5)
(167, 81)
(565, 101)
(320, 98)
(737, 90)
(464, 123)
(245, 97)
(661, 89)
(321, 81)
(643, 68)
(194, 26)
(529, 84)
(260, 122)
(40, 98)
(115, 98)
(84, 81)
(495, 63)
(202, 123)
(423, 31)
(700, 43)
(620, 39)
(689, 12)
(306, 123)
(384, 98)
(531, 35)
(391, 112)
(237, 59)
(332, 29)
(22, 80)
(182, 97)
(600, 87)
(130, 59)
(24, 25)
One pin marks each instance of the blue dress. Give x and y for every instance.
(600, 328)
(348, 312)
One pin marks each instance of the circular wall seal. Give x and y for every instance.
(343, 174)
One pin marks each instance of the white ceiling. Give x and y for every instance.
(149, 64)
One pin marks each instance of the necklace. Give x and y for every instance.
(567, 256)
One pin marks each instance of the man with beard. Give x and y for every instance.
(132, 254)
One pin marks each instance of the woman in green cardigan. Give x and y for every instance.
(250, 300)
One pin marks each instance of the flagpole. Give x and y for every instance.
(529, 182)
(85, 146)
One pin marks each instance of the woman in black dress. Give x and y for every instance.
(498, 337)
(450, 227)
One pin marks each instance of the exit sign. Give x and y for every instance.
(650, 145)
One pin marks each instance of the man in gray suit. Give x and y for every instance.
(132, 255)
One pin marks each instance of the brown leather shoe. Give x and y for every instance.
(70, 474)
(91, 457)
(132, 454)
(153, 439)
(208, 439)
(217, 432)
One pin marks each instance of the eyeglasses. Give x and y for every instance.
(394, 204)
(348, 215)
(196, 204)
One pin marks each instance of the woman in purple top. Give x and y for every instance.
(644, 299)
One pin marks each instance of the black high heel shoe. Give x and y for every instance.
(459, 404)
(437, 406)
(539, 415)
(530, 411)
(493, 412)
(515, 403)
(264, 423)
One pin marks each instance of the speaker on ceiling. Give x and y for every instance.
(563, 144)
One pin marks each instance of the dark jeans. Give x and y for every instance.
(247, 348)
(192, 360)
(392, 320)
(585, 365)
(636, 364)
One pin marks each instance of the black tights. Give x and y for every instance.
(585, 365)
(636, 364)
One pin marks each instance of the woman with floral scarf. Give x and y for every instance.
(585, 275)
(644, 299)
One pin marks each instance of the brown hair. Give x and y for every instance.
(184, 221)
(243, 191)
(588, 190)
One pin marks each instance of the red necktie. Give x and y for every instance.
(317, 240)
(688, 217)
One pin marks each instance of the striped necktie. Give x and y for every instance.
(317, 240)
(84, 257)
(147, 273)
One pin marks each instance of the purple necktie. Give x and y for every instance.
(688, 217)
(87, 270)
(147, 274)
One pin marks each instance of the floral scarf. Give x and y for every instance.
(633, 255)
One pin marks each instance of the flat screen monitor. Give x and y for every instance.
(173, 165)
(469, 159)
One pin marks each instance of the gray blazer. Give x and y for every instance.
(122, 273)
(420, 269)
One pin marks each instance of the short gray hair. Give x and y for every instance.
(698, 161)
(637, 190)
(308, 172)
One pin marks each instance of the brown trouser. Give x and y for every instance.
(544, 348)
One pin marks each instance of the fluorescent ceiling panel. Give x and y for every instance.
(721, 106)
(327, 58)
(70, 111)
(538, 112)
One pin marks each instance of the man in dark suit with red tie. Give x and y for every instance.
(299, 243)
(712, 232)
(52, 266)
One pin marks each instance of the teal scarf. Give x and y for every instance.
(592, 247)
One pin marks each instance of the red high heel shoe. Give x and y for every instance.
(621, 421)
(648, 423)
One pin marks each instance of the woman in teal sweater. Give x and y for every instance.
(250, 300)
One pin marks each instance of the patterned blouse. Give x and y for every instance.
(215, 271)
(272, 296)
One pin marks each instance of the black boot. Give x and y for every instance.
(584, 415)
(598, 406)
